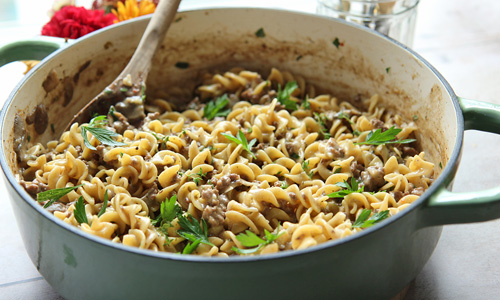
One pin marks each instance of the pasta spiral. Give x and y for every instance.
(266, 163)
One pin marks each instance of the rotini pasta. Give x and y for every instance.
(249, 156)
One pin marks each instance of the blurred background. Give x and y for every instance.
(460, 38)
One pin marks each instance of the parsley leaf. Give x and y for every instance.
(162, 141)
(260, 33)
(55, 194)
(104, 204)
(284, 95)
(214, 108)
(305, 167)
(342, 115)
(101, 134)
(306, 104)
(347, 189)
(284, 185)
(378, 137)
(250, 239)
(336, 42)
(197, 177)
(169, 209)
(242, 140)
(363, 222)
(323, 129)
(190, 247)
(192, 231)
(143, 93)
(79, 212)
(112, 112)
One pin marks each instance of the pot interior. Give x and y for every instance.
(345, 60)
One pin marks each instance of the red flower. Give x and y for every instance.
(73, 22)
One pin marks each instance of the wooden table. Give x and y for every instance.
(460, 38)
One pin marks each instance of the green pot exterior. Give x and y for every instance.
(35, 49)
(374, 264)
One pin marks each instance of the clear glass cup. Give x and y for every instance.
(394, 18)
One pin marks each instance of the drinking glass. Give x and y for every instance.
(394, 18)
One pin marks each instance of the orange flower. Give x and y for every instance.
(30, 64)
(132, 9)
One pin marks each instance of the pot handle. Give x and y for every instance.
(445, 207)
(34, 49)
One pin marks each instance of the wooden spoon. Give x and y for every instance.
(130, 84)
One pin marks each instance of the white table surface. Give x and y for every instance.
(461, 38)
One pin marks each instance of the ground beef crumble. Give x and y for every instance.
(373, 178)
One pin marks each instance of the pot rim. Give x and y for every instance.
(442, 180)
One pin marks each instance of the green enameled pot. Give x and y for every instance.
(338, 57)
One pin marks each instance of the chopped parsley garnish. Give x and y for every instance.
(192, 231)
(162, 141)
(242, 140)
(323, 129)
(284, 185)
(143, 93)
(378, 137)
(347, 189)
(305, 167)
(79, 212)
(55, 194)
(337, 43)
(387, 70)
(103, 135)
(52, 128)
(123, 89)
(169, 210)
(415, 118)
(215, 108)
(284, 95)
(363, 221)
(440, 165)
(260, 33)
(104, 204)
(111, 112)
(306, 104)
(197, 177)
(342, 115)
(190, 247)
(250, 239)
(294, 156)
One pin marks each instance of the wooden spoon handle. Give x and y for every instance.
(138, 66)
(140, 63)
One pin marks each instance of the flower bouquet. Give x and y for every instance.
(72, 22)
